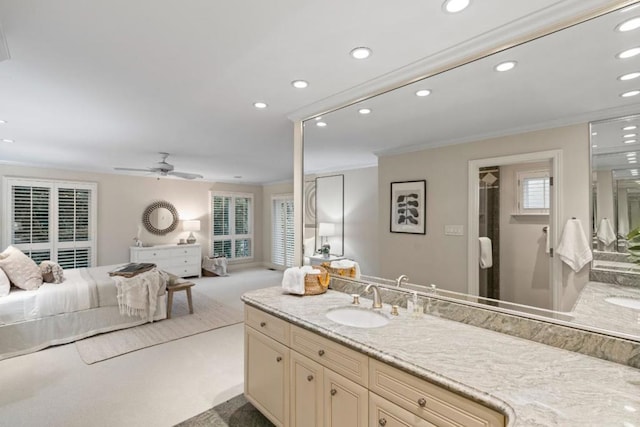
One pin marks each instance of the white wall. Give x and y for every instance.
(436, 258)
(122, 200)
(524, 265)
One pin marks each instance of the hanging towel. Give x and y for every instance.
(574, 249)
(486, 258)
(293, 278)
(605, 232)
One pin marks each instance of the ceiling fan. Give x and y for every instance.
(163, 168)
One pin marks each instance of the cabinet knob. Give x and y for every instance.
(382, 421)
(320, 352)
(333, 391)
(310, 378)
(263, 324)
(422, 402)
(278, 359)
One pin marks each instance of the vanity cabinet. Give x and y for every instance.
(298, 378)
(181, 260)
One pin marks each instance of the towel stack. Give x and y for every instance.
(293, 279)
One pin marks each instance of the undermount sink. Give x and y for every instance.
(357, 317)
(624, 302)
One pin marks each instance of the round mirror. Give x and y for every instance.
(160, 218)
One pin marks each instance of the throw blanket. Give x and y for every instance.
(137, 295)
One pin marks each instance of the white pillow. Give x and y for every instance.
(51, 272)
(5, 284)
(21, 270)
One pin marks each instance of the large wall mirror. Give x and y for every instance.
(504, 145)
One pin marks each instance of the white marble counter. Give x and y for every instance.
(532, 384)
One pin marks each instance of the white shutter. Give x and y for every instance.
(232, 225)
(30, 218)
(534, 192)
(282, 236)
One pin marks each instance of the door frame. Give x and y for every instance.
(555, 213)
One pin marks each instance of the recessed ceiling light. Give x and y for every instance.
(629, 53)
(318, 118)
(364, 111)
(629, 135)
(259, 104)
(506, 66)
(321, 124)
(454, 6)
(8, 140)
(631, 154)
(594, 146)
(423, 92)
(630, 93)
(2, 122)
(629, 76)
(630, 141)
(632, 127)
(360, 52)
(633, 162)
(299, 84)
(629, 25)
(594, 133)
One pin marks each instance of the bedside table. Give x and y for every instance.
(319, 259)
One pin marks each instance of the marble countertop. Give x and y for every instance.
(592, 309)
(532, 384)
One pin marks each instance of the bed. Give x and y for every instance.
(85, 304)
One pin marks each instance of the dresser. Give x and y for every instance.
(181, 260)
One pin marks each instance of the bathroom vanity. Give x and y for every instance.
(302, 369)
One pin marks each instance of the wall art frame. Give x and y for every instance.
(408, 207)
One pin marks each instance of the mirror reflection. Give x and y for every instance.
(506, 158)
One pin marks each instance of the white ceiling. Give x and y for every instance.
(95, 85)
(566, 77)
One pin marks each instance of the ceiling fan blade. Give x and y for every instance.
(133, 169)
(185, 175)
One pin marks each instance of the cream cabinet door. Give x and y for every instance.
(386, 414)
(306, 392)
(266, 376)
(345, 402)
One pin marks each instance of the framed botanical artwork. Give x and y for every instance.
(408, 207)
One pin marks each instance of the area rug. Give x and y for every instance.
(236, 412)
(207, 314)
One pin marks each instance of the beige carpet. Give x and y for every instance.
(207, 314)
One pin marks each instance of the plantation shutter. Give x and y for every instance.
(534, 192)
(52, 220)
(282, 237)
(232, 225)
(242, 209)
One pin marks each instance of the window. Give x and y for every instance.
(232, 225)
(51, 220)
(534, 187)
(282, 244)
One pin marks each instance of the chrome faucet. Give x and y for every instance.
(377, 301)
(401, 279)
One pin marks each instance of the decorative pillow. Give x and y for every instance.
(20, 269)
(51, 272)
(5, 284)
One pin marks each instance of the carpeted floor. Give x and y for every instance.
(236, 412)
(208, 314)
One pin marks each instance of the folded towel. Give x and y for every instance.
(486, 257)
(293, 278)
(605, 232)
(574, 248)
(346, 263)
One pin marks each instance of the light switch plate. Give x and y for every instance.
(454, 230)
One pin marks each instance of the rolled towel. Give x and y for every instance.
(293, 279)
(486, 257)
(574, 248)
(605, 232)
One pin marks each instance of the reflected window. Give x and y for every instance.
(534, 192)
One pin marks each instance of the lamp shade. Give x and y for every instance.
(191, 225)
(326, 229)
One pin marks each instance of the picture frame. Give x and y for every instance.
(408, 207)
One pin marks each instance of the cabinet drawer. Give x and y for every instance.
(150, 255)
(430, 402)
(384, 413)
(348, 363)
(187, 251)
(269, 325)
(182, 270)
